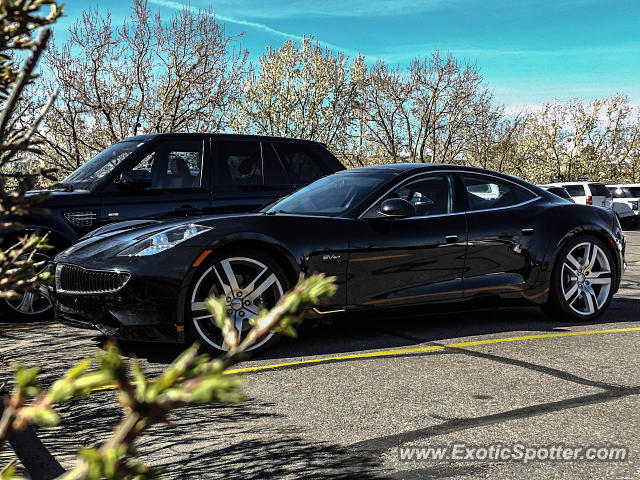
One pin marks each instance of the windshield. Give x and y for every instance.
(87, 175)
(331, 196)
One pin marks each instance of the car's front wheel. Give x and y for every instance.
(583, 280)
(248, 280)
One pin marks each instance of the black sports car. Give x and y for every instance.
(395, 236)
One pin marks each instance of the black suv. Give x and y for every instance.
(169, 175)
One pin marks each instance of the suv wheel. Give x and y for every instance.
(33, 306)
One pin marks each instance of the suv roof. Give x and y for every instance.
(232, 136)
(556, 184)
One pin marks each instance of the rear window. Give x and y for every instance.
(635, 191)
(302, 162)
(619, 192)
(599, 190)
(575, 190)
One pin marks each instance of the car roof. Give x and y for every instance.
(227, 136)
(417, 167)
(574, 183)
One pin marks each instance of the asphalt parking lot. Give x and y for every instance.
(341, 400)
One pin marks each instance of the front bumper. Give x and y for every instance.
(149, 307)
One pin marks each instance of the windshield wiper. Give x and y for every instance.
(274, 212)
(67, 187)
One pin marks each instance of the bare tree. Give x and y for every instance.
(144, 76)
(428, 113)
(303, 90)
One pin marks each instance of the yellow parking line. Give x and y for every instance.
(31, 327)
(380, 353)
(405, 351)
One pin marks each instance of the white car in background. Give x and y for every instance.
(558, 191)
(588, 193)
(623, 194)
(626, 200)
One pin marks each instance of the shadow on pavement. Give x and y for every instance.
(237, 441)
(352, 333)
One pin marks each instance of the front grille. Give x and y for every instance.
(81, 219)
(78, 280)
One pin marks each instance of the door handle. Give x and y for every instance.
(527, 231)
(451, 238)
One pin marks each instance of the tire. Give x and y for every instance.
(249, 279)
(33, 306)
(582, 283)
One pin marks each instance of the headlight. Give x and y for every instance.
(159, 242)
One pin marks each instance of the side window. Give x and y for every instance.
(173, 164)
(274, 173)
(302, 162)
(575, 190)
(484, 192)
(430, 195)
(239, 164)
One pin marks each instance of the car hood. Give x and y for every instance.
(111, 239)
(61, 198)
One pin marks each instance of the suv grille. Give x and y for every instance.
(81, 219)
(73, 279)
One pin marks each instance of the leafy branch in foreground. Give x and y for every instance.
(191, 379)
(20, 21)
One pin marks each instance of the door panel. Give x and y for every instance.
(178, 172)
(407, 262)
(498, 258)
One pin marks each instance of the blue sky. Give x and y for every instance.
(529, 51)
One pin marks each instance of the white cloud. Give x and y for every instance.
(329, 8)
(255, 25)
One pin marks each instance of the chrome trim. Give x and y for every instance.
(59, 288)
(81, 218)
(538, 197)
(327, 312)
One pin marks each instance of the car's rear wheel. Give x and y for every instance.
(33, 306)
(583, 280)
(248, 280)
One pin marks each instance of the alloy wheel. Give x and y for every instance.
(248, 286)
(586, 278)
(35, 302)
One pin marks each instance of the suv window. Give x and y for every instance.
(598, 189)
(485, 192)
(575, 190)
(302, 162)
(430, 195)
(239, 163)
(620, 192)
(274, 173)
(635, 191)
(174, 164)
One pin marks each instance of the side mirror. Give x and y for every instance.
(397, 208)
(135, 179)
